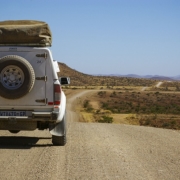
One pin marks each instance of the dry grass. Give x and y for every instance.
(155, 109)
(125, 119)
(87, 117)
(139, 102)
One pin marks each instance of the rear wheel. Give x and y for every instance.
(60, 140)
(14, 131)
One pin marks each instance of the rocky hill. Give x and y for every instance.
(81, 79)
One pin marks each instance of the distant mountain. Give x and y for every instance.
(133, 75)
(82, 79)
(176, 77)
(162, 78)
(154, 77)
(148, 76)
(120, 75)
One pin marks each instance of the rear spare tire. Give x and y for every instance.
(17, 77)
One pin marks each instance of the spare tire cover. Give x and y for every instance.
(17, 77)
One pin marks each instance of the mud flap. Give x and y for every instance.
(58, 129)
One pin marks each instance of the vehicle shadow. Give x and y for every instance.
(21, 142)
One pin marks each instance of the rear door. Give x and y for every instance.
(37, 58)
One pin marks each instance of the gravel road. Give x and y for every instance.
(93, 152)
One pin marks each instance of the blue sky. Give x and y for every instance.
(108, 36)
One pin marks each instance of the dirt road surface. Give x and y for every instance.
(159, 84)
(93, 152)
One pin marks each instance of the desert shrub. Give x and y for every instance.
(87, 106)
(145, 122)
(104, 105)
(89, 109)
(106, 119)
(157, 93)
(159, 121)
(86, 103)
(101, 93)
(173, 123)
(165, 125)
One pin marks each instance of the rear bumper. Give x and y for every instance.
(36, 116)
(40, 120)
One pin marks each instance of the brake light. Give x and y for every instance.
(57, 94)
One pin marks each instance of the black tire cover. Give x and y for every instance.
(17, 77)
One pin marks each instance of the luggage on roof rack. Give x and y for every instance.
(25, 33)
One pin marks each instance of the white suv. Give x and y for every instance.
(31, 96)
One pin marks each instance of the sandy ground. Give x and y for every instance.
(93, 152)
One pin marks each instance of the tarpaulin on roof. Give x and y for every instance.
(25, 33)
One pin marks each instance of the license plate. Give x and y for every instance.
(12, 113)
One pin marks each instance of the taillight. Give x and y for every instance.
(57, 94)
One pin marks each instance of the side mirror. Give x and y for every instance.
(64, 80)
